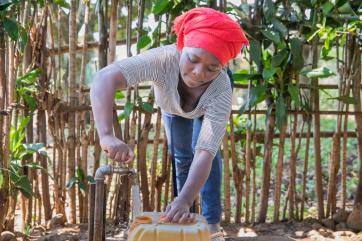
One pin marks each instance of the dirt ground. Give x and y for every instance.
(302, 231)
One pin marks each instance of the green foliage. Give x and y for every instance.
(119, 95)
(255, 51)
(18, 153)
(9, 25)
(280, 112)
(81, 180)
(26, 88)
(143, 42)
(257, 95)
(128, 108)
(322, 72)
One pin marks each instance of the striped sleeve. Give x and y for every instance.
(214, 123)
(147, 66)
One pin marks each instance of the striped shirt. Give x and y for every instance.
(161, 66)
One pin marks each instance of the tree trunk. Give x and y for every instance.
(160, 181)
(102, 48)
(154, 159)
(316, 134)
(73, 102)
(305, 170)
(4, 156)
(227, 202)
(142, 151)
(279, 177)
(238, 174)
(293, 169)
(268, 150)
(113, 31)
(356, 77)
(40, 58)
(82, 131)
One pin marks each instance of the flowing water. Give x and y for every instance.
(136, 200)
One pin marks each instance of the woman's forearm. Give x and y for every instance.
(102, 98)
(198, 174)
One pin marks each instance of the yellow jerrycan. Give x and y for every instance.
(148, 226)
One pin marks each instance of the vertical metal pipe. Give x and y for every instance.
(98, 210)
(97, 201)
(104, 213)
(92, 196)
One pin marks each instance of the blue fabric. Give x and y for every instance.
(182, 136)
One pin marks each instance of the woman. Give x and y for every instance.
(194, 93)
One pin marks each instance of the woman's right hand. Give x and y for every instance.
(116, 149)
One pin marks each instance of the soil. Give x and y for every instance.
(309, 230)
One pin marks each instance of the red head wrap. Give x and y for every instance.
(211, 30)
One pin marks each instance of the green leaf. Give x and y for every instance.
(11, 27)
(278, 59)
(280, 27)
(80, 173)
(327, 7)
(23, 38)
(83, 187)
(255, 51)
(71, 182)
(268, 73)
(346, 8)
(346, 99)
(34, 146)
(143, 42)
(62, 3)
(269, 9)
(90, 179)
(240, 78)
(281, 112)
(23, 184)
(322, 72)
(119, 95)
(1, 179)
(5, 4)
(147, 107)
(127, 111)
(257, 94)
(160, 6)
(294, 94)
(31, 102)
(296, 48)
(271, 35)
(34, 165)
(29, 78)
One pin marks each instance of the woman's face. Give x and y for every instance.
(198, 66)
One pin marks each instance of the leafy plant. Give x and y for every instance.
(26, 88)
(18, 153)
(81, 180)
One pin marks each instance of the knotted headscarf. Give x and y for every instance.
(211, 30)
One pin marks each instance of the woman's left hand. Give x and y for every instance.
(178, 211)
